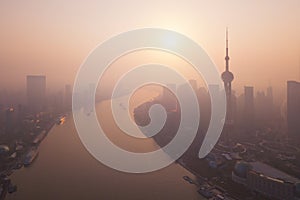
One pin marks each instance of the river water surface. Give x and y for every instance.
(64, 170)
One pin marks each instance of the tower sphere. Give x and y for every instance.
(227, 76)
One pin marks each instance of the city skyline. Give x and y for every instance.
(264, 37)
(150, 100)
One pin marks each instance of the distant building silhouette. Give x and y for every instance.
(270, 94)
(10, 120)
(249, 107)
(293, 108)
(205, 106)
(55, 102)
(270, 103)
(183, 91)
(2, 119)
(193, 84)
(261, 108)
(68, 97)
(168, 98)
(36, 93)
(264, 107)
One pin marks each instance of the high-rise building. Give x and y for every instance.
(36, 93)
(249, 107)
(293, 108)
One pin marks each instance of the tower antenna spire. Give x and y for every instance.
(227, 56)
(226, 37)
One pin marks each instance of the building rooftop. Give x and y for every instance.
(294, 82)
(271, 172)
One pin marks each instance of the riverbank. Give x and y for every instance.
(25, 153)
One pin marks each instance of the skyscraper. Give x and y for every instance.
(293, 108)
(36, 91)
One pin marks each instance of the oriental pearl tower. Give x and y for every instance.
(227, 78)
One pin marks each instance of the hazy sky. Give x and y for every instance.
(53, 37)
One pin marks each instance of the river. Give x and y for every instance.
(65, 170)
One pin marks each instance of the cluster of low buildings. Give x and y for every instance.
(266, 180)
(259, 178)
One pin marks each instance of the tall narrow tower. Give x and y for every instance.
(227, 78)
